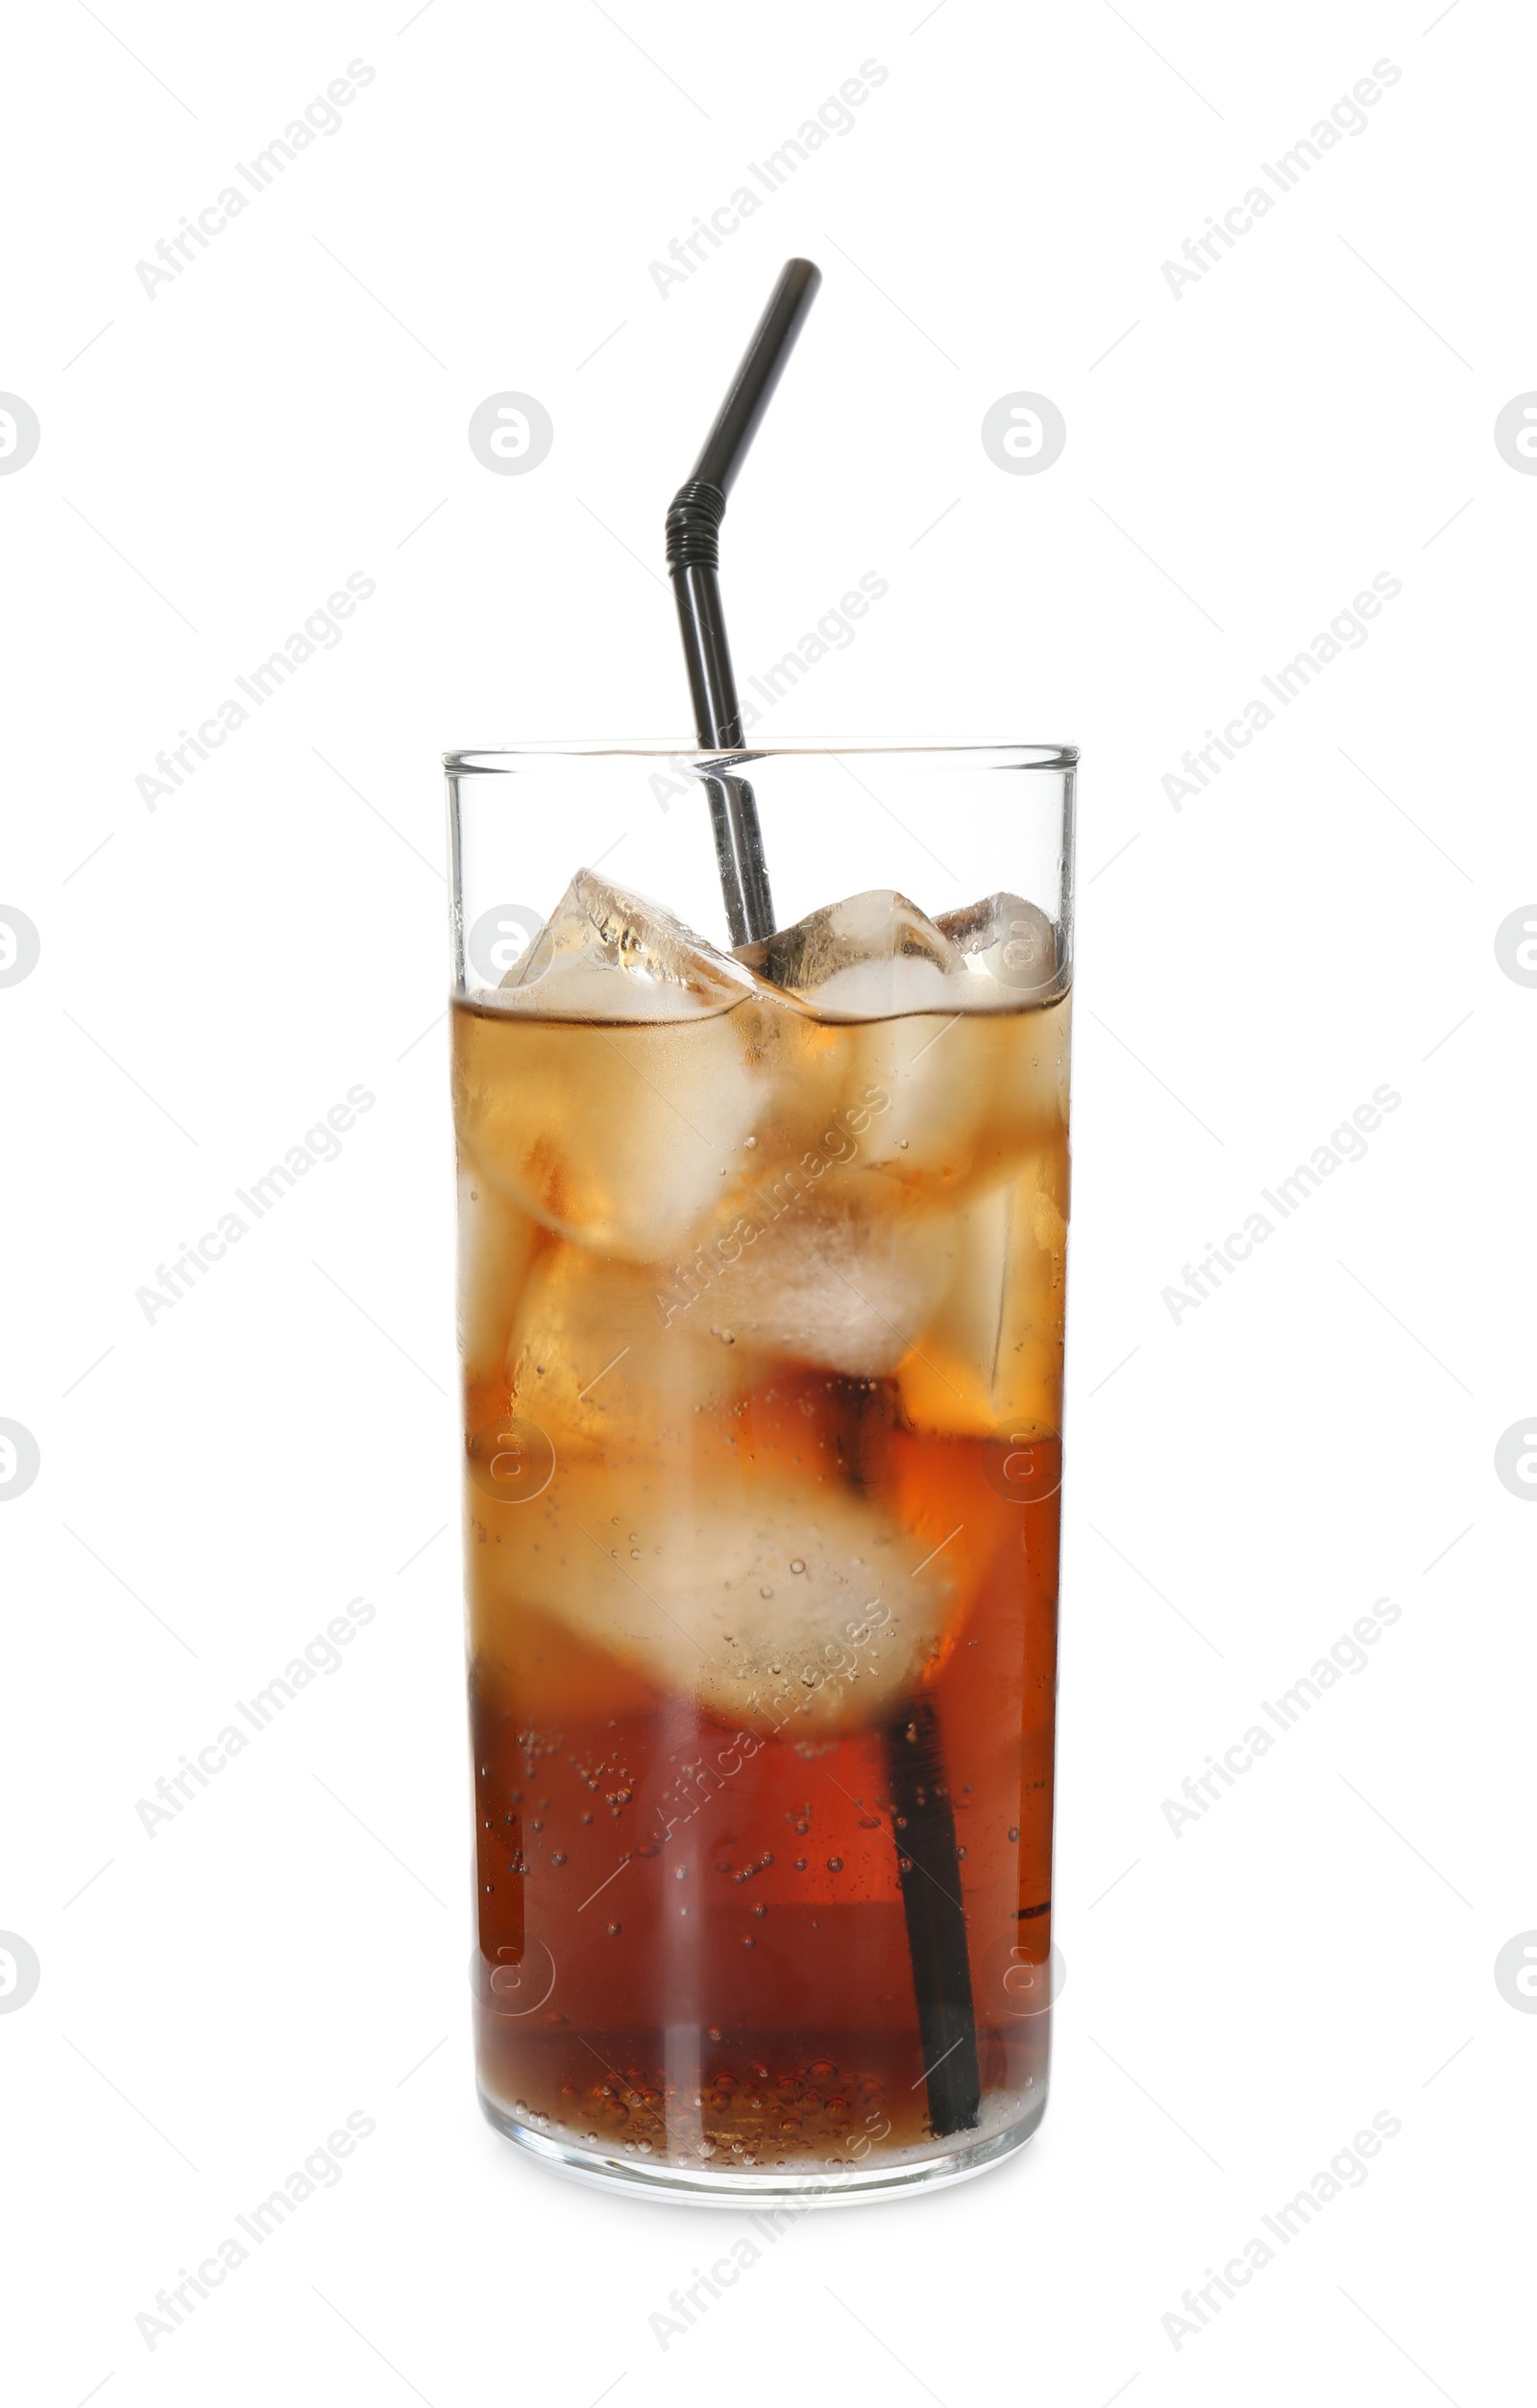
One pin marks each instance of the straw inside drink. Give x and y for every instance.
(929, 1870)
(923, 1820)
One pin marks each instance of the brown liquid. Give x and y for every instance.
(763, 1451)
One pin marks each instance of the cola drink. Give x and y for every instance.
(762, 1318)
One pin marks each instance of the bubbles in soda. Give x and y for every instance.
(762, 1280)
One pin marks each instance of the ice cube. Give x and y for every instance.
(863, 958)
(969, 1095)
(944, 1060)
(831, 1283)
(496, 1243)
(992, 1350)
(600, 1346)
(609, 1089)
(775, 1602)
(607, 954)
(1011, 945)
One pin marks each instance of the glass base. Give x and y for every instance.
(848, 2184)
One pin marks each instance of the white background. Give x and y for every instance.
(1244, 1482)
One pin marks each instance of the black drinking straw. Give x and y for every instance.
(693, 559)
(922, 1817)
(929, 1870)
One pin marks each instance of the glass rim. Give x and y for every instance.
(493, 759)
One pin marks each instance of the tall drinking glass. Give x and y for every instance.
(762, 1265)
